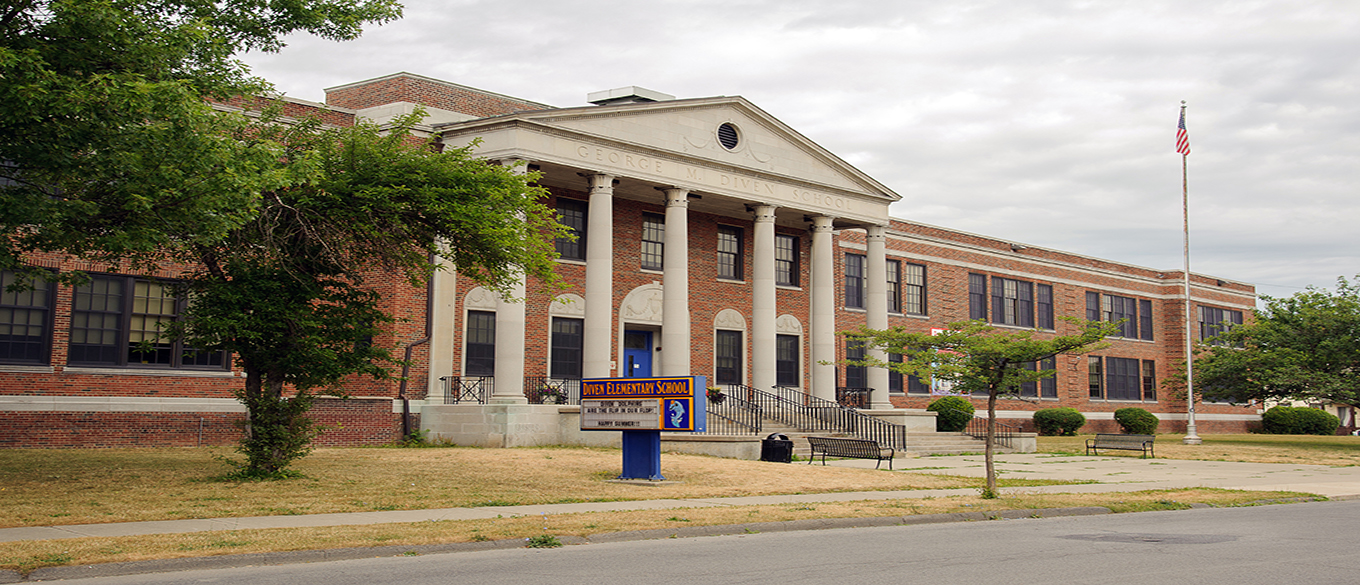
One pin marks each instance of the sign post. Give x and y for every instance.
(642, 408)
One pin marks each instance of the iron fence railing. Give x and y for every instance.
(459, 389)
(793, 407)
(732, 414)
(853, 397)
(549, 390)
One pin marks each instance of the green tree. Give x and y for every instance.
(978, 358)
(292, 291)
(108, 149)
(1303, 347)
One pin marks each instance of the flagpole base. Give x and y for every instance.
(1191, 437)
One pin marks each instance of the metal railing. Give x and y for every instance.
(853, 397)
(792, 407)
(547, 390)
(467, 388)
(977, 428)
(733, 415)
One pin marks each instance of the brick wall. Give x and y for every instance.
(425, 91)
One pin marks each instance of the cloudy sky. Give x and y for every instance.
(1048, 123)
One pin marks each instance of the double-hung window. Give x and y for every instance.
(573, 216)
(785, 260)
(855, 376)
(729, 253)
(977, 296)
(786, 358)
(1012, 302)
(480, 344)
(913, 289)
(728, 357)
(1214, 321)
(568, 341)
(25, 321)
(653, 241)
(1046, 387)
(1136, 314)
(1116, 378)
(894, 268)
(122, 321)
(854, 281)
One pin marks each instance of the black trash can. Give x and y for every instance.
(777, 448)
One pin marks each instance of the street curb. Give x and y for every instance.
(338, 554)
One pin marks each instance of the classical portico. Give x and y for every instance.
(722, 160)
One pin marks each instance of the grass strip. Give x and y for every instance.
(27, 556)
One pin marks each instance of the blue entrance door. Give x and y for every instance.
(637, 354)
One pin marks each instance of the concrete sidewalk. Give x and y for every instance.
(1112, 474)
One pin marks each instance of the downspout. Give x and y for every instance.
(406, 361)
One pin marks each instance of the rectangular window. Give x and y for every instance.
(1043, 306)
(1149, 380)
(1145, 319)
(916, 386)
(1122, 379)
(894, 377)
(729, 252)
(568, 339)
(1030, 389)
(1114, 309)
(854, 281)
(786, 370)
(1012, 302)
(653, 241)
(1095, 376)
(894, 286)
(855, 376)
(785, 260)
(913, 289)
(1048, 387)
(480, 344)
(573, 216)
(121, 320)
(1213, 321)
(977, 296)
(1092, 306)
(728, 358)
(25, 321)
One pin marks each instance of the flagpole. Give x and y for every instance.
(1183, 147)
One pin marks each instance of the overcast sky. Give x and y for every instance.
(1047, 123)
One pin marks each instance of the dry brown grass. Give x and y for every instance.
(1253, 448)
(24, 556)
(47, 487)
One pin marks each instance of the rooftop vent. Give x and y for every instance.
(627, 95)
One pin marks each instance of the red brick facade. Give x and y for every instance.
(53, 404)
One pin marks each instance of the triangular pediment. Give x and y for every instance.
(690, 129)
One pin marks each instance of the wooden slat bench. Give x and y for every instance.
(850, 448)
(1121, 442)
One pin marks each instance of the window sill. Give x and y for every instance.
(173, 372)
(788, 287)
(855, 310)
(21, 369)
(731, 280)
(571, 261)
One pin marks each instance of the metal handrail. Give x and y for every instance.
(977, 428)
(733, 415)
(793, 407)
(467, 388)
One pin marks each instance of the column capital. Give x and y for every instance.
(876, 232)
(600, 182)
(822, 223)
(765, 213)
(676, 197)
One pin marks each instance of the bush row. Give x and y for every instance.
(1299, 420)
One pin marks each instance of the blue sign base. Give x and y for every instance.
(642, 455)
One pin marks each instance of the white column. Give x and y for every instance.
(763, 306)
(877, 300)
(823, 326)
(442, 319)
(675, 335)
(510, 324)
(598, 326)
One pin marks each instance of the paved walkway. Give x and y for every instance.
(1112, 474)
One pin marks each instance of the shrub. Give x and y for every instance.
(954, 413)
(1136, 421)
(1058, 421)
(1291, 420)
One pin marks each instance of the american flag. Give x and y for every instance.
(1182, 137)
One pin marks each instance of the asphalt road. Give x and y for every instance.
(1277, 544)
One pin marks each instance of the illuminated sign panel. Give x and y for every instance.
(644, 404)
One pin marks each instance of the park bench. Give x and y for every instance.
(1121, 442)
(850, 448)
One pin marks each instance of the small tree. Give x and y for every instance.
(292, 292)
(977, 357)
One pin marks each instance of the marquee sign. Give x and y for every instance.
(674, 404)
